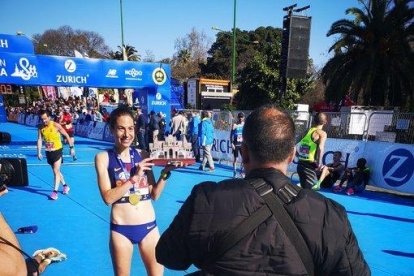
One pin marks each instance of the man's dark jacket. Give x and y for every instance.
(215, 208)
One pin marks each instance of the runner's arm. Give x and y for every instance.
(321, 146)
(64, 133)
(39, 143)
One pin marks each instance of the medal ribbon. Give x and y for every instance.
(122, 165)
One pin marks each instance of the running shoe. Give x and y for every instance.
(66, 189)
(316, 186)
(350, 191)
(53, 195)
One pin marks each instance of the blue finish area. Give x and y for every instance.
(78, 223)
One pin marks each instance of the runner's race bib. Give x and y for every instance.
(304, 151)
(50, 146)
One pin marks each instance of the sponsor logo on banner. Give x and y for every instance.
(71, 67)
(4, 43)
(24, 69)
(3, 71)
(112, 74)
(133, 74)
(158, 100)
(159, 76)
(398, 167)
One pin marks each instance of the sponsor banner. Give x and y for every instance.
(32, 120)
(28, 69)
(83, 129)
(392, 165)
(16, 44)
(68, 71)
(21, 118)
(98, 131)
(107, 136)
(19, 69)
(221, 145)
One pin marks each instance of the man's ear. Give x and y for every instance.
(292, 155)
(245, 154)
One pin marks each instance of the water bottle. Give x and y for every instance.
(27, 229)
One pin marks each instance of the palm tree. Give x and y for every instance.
(374, 57)
(130, 51)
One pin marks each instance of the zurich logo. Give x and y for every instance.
(398, 167)
(70, 66)
(158, 96)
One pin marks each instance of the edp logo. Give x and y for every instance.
(398, 167)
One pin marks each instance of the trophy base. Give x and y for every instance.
(181, 162)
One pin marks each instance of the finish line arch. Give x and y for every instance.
(21, 66)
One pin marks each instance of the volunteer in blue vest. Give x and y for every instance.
(193, 134)
(236, 138)
(310, 153)
(206, 139)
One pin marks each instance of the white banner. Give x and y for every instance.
(392, 165)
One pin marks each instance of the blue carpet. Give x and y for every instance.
(78, 224)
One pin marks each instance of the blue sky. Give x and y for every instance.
(155, 25)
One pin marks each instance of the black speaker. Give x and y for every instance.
(13, 171)
(5, 138)
(298, 46)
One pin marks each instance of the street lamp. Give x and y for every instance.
(233, 58)
(124, 57)
(233, 52)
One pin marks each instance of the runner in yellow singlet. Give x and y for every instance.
(50, 132)
(310, 152)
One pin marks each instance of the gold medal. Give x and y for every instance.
(134, 199)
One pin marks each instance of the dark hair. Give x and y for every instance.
(361, 162)
(269, 133)
(118, 112)
(204, 114)
(338, 152)
(44, 111)
(240, 115)
(320, 118)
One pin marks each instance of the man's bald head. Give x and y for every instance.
(269, 134)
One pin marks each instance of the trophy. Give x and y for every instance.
(172, 152)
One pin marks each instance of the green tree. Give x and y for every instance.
(373, 60)
(219, 61)
(260, 82)
(258, 62)
(130, 51)
(64, 40)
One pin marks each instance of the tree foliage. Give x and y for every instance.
(64, 40)
(130, 52)
(191, 51)
(373, 61)
(257, 74)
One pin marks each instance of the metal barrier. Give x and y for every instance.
(391, 126)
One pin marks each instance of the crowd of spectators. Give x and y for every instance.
(81, 109)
